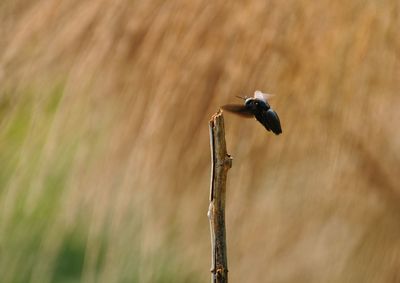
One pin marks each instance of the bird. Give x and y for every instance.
(259, 108)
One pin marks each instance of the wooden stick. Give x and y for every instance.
(221, 162)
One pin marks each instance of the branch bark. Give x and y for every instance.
(221, 162)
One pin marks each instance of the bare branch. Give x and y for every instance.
(221, 162)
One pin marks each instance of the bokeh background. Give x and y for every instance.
(104, 146)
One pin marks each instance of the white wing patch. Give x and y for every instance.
(262, 96)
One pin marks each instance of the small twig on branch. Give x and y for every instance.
(221, 161)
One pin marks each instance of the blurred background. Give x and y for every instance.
(104, 146)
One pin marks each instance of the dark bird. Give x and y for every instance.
(259, 108)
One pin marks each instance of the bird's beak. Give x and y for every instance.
(244, 98)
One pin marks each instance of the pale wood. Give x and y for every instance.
(221, 162)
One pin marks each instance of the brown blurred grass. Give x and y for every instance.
(104, 142)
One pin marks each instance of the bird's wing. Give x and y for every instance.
(273, 122)
(262, 96)
(238, 109)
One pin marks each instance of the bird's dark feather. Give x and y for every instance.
(239, 110)
(273, 121)
(270, 120)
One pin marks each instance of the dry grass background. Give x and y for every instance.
(104, 141)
